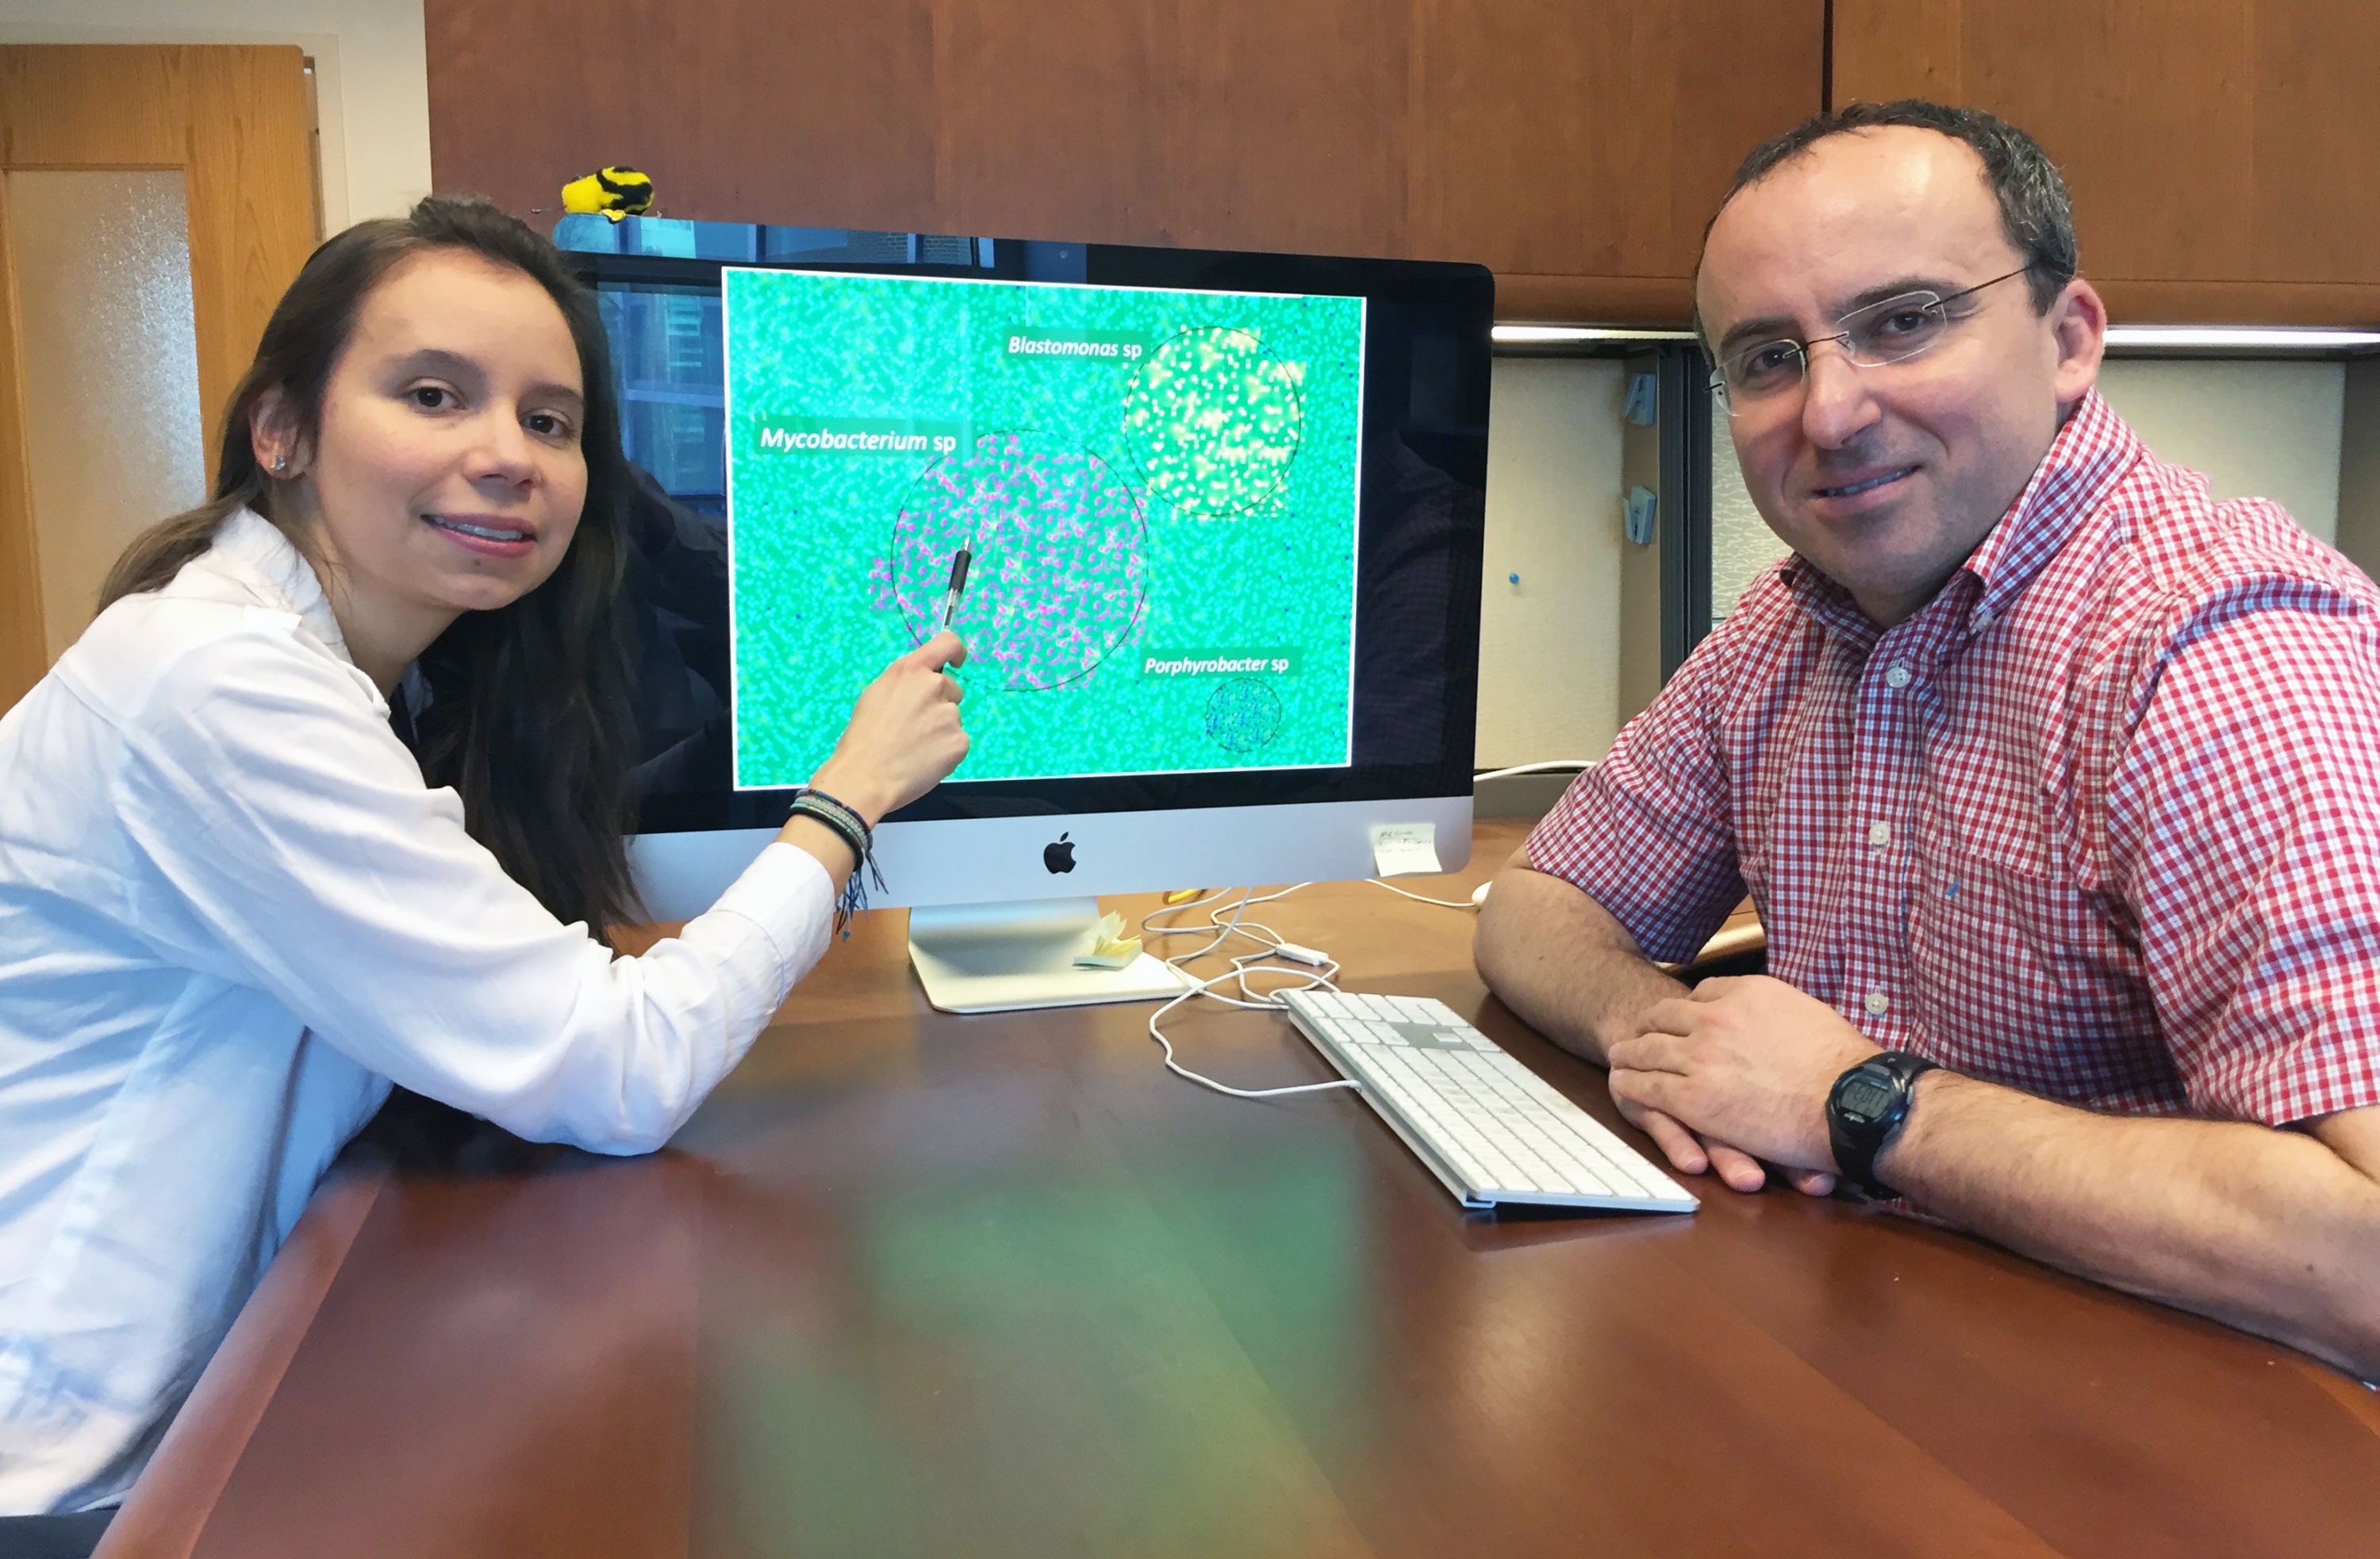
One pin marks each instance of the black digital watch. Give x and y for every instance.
(1865, 1110)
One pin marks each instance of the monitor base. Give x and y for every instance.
(1015, 956)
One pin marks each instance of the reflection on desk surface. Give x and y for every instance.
(1031, 1348)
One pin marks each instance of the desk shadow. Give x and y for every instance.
(1519, 1227)
(1753, 962)
(420, 1136)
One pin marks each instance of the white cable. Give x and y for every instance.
(1263, 935)
(1307, 978)
(1417, 898)
(1547, 766)
(1222, 933)
(1216, 897)
(1551, 765)
(1227, 932)
(1320, 981)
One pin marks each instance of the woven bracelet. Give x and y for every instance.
(860, 839)
(823, 804)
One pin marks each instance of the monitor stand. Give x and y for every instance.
(1008, 957)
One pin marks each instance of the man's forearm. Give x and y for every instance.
(2270, 1231)
(1562, 962)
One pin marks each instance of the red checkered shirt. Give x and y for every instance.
(2101, 823)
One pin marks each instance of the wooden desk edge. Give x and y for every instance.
(168, 1506)
(2362, 1404)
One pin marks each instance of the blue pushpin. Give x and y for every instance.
(1514, 578)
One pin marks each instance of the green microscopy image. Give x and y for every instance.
(1244, 714)
(1057, 537)
(1156, 491)
(1213, 422)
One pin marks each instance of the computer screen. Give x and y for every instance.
(1156, 489)
(1222, 513)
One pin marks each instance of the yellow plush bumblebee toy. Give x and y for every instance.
(616, 192)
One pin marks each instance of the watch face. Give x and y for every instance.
(1864, 1101)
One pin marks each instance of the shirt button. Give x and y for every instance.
(1981, 620)
(1898, 676)
(1878, 1004)
(1879, 834)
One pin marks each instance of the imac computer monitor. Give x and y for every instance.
(1222, 514)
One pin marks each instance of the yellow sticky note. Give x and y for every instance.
(1111, 949)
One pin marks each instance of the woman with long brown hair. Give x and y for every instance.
(234, 906)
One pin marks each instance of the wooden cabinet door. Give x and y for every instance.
(2224, 154)
(1580, 149)
(1575, 146)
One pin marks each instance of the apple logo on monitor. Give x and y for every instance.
(1059, 857)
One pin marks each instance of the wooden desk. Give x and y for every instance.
(915, 1284)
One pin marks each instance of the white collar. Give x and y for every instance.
(250, 555)
(250, 551)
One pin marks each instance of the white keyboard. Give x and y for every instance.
(1490, 1128)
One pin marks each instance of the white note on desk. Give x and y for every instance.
(1406, 850)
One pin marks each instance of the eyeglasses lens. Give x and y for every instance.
(1894, 330)
(1765, 370)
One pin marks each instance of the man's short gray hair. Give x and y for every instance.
(2035, 210)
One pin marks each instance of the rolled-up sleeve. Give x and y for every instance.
(1645, 833)
(2245, 818)
(283, 832)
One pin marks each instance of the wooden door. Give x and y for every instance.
(235, 124)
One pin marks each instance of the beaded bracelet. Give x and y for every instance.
(852, 829)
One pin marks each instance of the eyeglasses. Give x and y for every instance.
(1873, 335)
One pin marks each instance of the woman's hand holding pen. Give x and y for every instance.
(904, 737)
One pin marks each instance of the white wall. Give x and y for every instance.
(1550, 645)
(2253, 429)
(371, 78)
(1741, 543)
(2256, 430)
(2358, 466)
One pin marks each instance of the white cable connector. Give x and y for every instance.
(1296, 954)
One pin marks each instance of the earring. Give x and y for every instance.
(280, 464)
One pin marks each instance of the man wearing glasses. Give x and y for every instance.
(2057, 784)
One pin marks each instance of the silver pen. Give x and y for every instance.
(958, 588)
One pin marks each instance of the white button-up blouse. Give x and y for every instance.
(230, 914)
